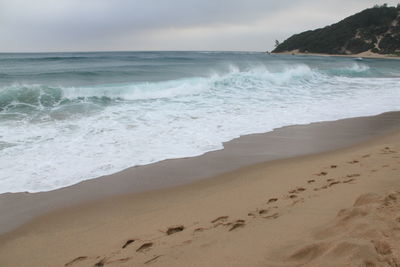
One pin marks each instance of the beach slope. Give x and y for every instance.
(332, 209)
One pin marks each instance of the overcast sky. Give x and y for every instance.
(106, 25)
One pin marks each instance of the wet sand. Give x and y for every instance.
(336, 208)
(286, 142)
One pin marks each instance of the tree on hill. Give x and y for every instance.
(376, 29)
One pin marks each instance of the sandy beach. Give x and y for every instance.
(335, 208)
(366, 54)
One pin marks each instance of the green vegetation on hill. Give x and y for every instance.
(375, 29)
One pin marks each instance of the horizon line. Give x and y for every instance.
(111, 51)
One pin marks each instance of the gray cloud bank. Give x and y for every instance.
(90, 25)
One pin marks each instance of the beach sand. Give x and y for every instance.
(366, 54)
(337, 208)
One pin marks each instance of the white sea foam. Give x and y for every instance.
(149, 122)
(358, 67)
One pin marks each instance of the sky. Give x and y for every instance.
(128, 25)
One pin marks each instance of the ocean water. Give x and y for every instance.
(68, 117)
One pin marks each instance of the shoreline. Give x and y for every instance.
(284, 212)
(247, 150)
(360, 55)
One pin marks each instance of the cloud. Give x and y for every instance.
(76, 25)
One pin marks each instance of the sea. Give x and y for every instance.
(69, 117)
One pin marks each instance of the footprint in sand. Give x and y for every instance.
(331, 182)
(311, 181)
(321, 174)
(348, 180)
(145, 247)
(352, 175)
(273, 216)
(128, 242)
(175, 229)
(198, 230)
(76, 260)
(272, 200)
(220, 219)
(353, 162)
(251, 214)
(297, 190)
(262, 212)
(333, 166)
(319, 188)
(237, 224)
(388, 150)
(334, 183)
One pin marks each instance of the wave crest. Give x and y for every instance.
(45, 96)
(42, 97)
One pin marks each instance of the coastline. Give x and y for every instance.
(255, 220)
(360, 55)
(281, 143)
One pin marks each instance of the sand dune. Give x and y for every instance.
(367, 234)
